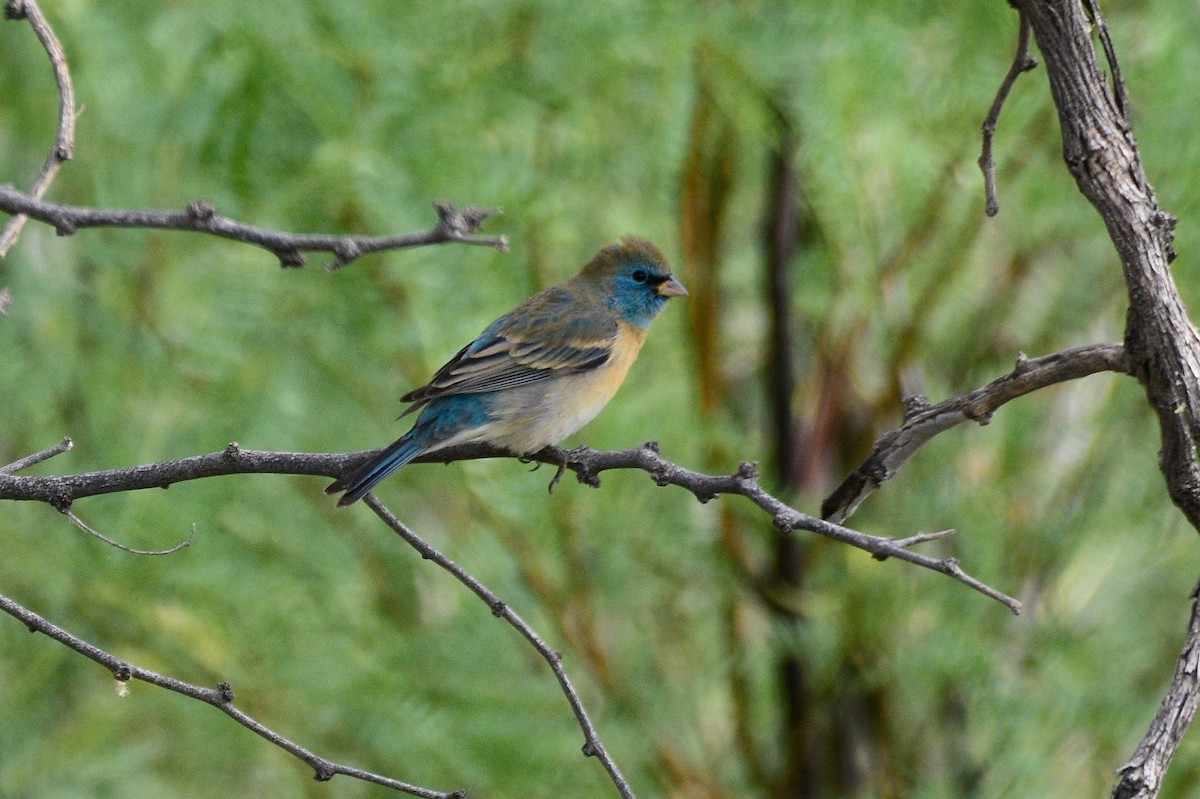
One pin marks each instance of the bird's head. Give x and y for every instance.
(635, 279)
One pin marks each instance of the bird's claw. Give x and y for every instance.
(565, 461)
(558, 473)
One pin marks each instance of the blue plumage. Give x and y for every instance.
(541, 371)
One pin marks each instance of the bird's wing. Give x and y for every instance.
(549, 335)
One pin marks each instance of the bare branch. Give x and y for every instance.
(1161, 343)
(1102, 155)
(925, 421)
(592, 746)
(1142, 776)
(454, 225)
(220, 697)
(587, 465)
(64, 140)
(38, 457)
(61, 491)
(1021, 63)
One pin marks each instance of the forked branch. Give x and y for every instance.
(924, 421)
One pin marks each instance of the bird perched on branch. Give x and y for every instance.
(541, 371)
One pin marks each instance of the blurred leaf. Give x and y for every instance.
(583, 123)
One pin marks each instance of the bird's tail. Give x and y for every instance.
(358, 482)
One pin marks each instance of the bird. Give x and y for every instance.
(539, 373)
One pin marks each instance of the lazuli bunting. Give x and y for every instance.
(541, 371)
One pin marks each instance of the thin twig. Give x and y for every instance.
(1021, 63)
(64, 139)
(38, 457)
(1110, 55)
(921, 538)
(61, 490)
(454, 225)
(592, 746)
(82, 525)
(220, 697)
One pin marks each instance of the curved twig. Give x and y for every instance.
(64, 139)
(925, 421)
(220, 697)
(1021, 63)
(82, 525)
(592, 746)
(454, 225)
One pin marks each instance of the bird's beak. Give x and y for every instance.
(671, 288)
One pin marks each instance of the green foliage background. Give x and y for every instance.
(577, 120)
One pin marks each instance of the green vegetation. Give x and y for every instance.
(578, 121)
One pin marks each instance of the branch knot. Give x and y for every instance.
(747, 472)
(201, 212)
(914, 404)
(344, 252)
(785, 521)
(14, 10)
(455, 223)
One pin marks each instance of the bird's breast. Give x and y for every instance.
(549, 411)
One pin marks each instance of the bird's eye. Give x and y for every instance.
(639, 276)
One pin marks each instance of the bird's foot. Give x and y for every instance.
(566, 455)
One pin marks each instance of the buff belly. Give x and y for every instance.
(528, 418)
